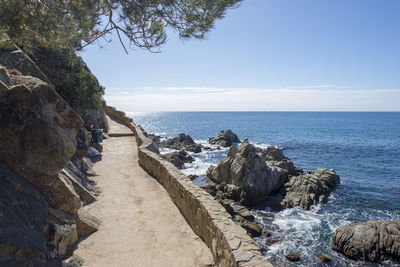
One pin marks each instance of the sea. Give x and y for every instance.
(362, 147)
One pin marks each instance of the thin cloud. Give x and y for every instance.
(326, 97)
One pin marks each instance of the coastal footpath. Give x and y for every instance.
(141, 226)
(59, 207)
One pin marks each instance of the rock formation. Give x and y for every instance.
(249, 171)
(250, 175)
(178, 158)
(38, 138)
(225, 138)
(182, 141)
(369, 241)
(310, 188)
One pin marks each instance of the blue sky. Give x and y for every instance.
(266, 55)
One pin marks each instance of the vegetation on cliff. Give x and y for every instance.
(70, 76)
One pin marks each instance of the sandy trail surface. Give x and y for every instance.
(141, 226)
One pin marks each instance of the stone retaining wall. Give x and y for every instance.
(229, 243)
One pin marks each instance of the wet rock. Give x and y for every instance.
(195, 148)
(178, 158)
(310, 188)
(242, 211)
(270, 242)
(211, 189)
(192, 177)
(252, 228)
(182, 141)
(225, 138)
(325, 259)
(369, 241)
(293, 257)
(267, 233)
(246, 169)
(155, 138)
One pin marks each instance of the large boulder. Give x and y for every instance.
(369, 241)
(248, 170)
(38, 137)
(37, 130)
(310, 188)
(225, 138)
(178, 158)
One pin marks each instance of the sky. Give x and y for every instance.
(266, 55)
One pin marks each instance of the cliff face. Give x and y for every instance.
(40, 198)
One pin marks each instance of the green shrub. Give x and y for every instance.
(70, 76)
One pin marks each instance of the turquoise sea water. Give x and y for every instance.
(362, 147)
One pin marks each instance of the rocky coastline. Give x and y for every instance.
(47, 215)
(250, 175)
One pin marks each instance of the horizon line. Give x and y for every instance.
(316, 111)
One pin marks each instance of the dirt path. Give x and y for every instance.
(140, 224)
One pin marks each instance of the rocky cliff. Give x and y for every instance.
(41, 192)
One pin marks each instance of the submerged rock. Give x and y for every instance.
(293, 257)
(246, 169)
(225, 138)
(369, 241)
(178, 158)
(310, 188)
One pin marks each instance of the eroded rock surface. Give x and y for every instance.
(310, 188)
(178, 158)
(246, 169)
(23, 217)
(369, 241)
(225, 138)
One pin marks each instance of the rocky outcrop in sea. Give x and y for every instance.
(310, 188)
(178, 158)
(224, 138)
(254, 174)
(370, 241)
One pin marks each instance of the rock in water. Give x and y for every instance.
(246, 169)
(369, 241)
(225, 138)
(182, 141)
(293, 257)
(310, 188)
(178, 158)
